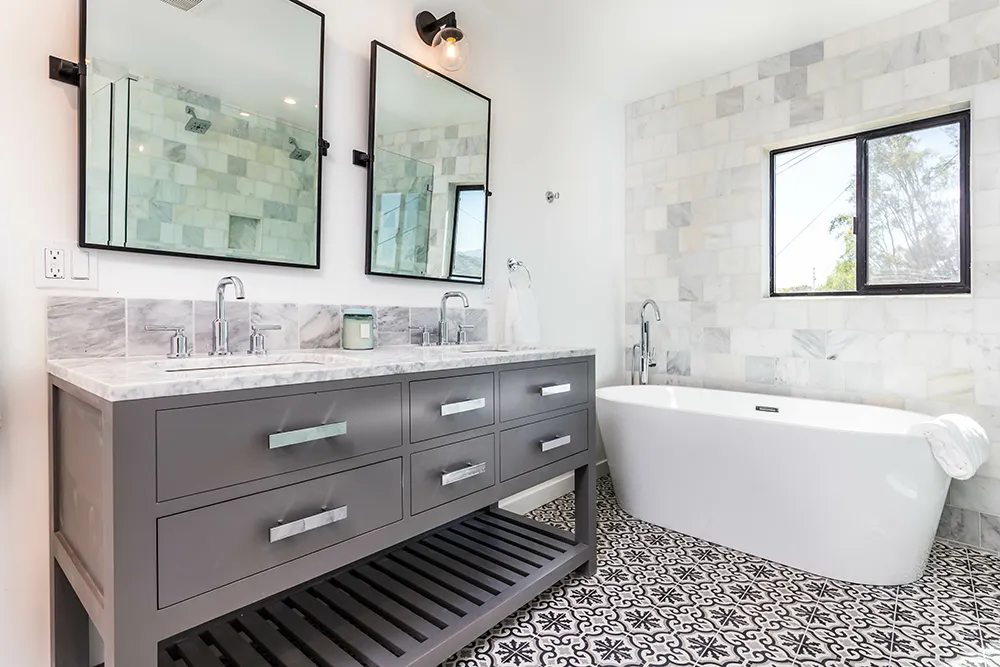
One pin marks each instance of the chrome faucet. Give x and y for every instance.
(647, 353)
(443, 335)
(220, 328)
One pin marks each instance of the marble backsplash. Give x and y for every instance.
(115, 327)
(972, 514)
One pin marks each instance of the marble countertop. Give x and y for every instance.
(127, 379)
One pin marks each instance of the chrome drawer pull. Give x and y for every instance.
(465, 406)
(286, 530)
(465, 473)
(279, 440)
(556, 443)
(557, 389)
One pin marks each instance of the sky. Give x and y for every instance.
(811, 189)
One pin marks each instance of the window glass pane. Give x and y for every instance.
(914, 197)
(814, 208)
(470, 230)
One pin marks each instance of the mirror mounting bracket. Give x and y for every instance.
(64, 71)
(324, 147)
(362, 159)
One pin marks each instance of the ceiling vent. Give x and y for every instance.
(186, 5)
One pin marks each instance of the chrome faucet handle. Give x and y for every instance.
(463, 333)
(178, 342)
(425, 335)
(257, 338)
(651, 358)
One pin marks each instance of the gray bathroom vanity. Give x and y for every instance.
(310, 508)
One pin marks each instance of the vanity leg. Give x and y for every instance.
(129, 651)
(586, 514)
(70, 624)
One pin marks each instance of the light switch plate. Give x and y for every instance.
(64, 266)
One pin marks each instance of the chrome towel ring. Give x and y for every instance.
(512, 266)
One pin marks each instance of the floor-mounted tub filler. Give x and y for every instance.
(835, 489)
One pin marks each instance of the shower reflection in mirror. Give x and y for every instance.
(430, 144)
(202, 136)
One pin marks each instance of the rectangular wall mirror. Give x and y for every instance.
(201, 128)
(428, 173)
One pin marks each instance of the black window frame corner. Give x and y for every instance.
(459, 189)
(963, 119)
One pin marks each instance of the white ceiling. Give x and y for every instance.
(250, 53)
(637, 48)
(411, 98)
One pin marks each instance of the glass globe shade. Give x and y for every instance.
(451, 49)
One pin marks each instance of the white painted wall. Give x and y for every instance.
(545, 137)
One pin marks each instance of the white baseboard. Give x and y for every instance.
(535, 497)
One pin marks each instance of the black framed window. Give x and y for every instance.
(468, 233)
(879, 212)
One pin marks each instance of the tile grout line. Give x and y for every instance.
(975, 595)
(892, 633)
(719, 633)
(805, 632)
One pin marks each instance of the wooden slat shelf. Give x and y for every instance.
(412, 607)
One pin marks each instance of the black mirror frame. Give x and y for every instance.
(82, 164)
(366, 160)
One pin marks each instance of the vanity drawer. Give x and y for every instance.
(447, 473)
(201, 550)
(529, 447)
(450, 405)
(210, 447)
(536, 390)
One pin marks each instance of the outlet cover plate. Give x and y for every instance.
(56, 264)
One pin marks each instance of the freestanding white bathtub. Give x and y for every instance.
(835, 489)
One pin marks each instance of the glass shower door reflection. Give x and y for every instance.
(402, 215)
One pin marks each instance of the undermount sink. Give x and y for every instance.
(272, 364)
(235, 362)
(486, 351)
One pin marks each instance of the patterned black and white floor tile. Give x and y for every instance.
(663, 598)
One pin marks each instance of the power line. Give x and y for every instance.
(813, 221)
(802, 158)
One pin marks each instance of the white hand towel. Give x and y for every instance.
(959, 444)
(511, 316)
(522, 326)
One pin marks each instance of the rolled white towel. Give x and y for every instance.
(959, 444)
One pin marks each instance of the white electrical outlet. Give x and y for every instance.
(55, 264)
(64, 266)
(488, 293)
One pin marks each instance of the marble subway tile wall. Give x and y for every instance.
(233, 190)
(697, 240)
(457, 154)
(81, 327)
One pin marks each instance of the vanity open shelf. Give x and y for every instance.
(416, 605)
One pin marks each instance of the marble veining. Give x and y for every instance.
(982, 493)
(678, 363)
(959, 525)
(87, 327)
(156, 312)
(809, 344)
(285, 315)
(139, 378)
(319, 327)
(990, 532)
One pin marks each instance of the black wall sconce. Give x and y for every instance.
(451, 48)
